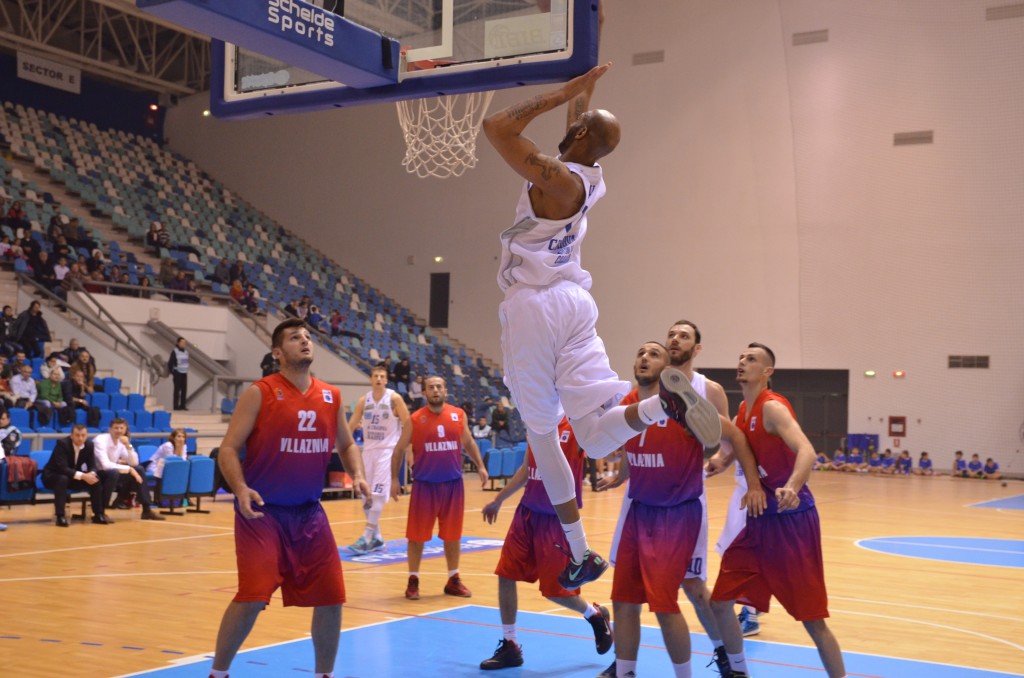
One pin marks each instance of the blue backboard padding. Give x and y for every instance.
(327, 44)
(582, 59)
(970, 550)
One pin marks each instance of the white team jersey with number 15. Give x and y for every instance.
(541, 252)
(381, 427)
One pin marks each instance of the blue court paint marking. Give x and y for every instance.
(1014, 503)
(969, 550)
(454, 642)
(397, 550)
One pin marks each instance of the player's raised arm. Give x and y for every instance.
(242, 422)
(580, 104)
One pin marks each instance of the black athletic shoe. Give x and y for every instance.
(576, 574)
(608, 672)
(507, 655)
(721, 661)
(600, 621)
(684, 405)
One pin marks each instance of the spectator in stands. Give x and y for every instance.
(116, 457)
(481, 429)
(269, 365)
(60, 248)
(10, 436)
(252, 298)
(26, 394)
(31, 330)
(54, 229)
(499, 421)
(974, 467)
(124, 279)
(174, 446)
(87, 367)
(315, 318)
(237, 292)
(53, 364)
(157, 237)
(77, 397)
(5, 247)
(302, 308)
(484, 409)
(291, 308)
(17, 250)
(17, 361)
(51, 395)
(72, 467)
(221, 274)
(416, 399)
(16, 216)
(194, 297)
(7, 397)
(403, 371)
(94, 283)
(179, 284)
(990, 471)
(8, 345)
(178, 364)
(237, 272)
(168, 271)
(96, 262)
(42, 272)
(70, 353)
(146, 285)
(61, 269)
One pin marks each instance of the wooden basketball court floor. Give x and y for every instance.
(145, 597)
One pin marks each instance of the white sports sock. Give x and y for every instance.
(509, 631)
(737, 662)
(373, 518)
(682, 670)
(452, 573)
(625, 668)
(214, 673)
(650, 410)
(590, 611)
(577, 540)
(414, 574)
(368, 532)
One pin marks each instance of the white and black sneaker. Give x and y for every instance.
(687, 408)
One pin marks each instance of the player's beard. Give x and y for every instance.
(645, 381)
(682, 359)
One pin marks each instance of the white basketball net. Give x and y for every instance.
(440, 133)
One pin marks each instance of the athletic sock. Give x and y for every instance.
(625, 668)
(651, 411)
(214, 673)
(577, 540)
(682, 670)
(368, 532)
(716, 642)
(509, 631)
(591, 611)
(452, 573)
(737, 662)
(414, 574)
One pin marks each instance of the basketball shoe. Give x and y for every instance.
(576, 574)
(507, 655)
(748, 622)
(600, 622)
(455, 587)
(359, 546)
(412, 591)
(683, 404)
(608, 672)
(721, 661)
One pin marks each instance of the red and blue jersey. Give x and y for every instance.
(291, 443)
(437, 443)
(775, 461)
(535, 497)
(666, 463)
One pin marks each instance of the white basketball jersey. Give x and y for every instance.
(540, 252)
(381, 427)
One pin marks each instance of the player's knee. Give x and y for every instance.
(696, 592)
(595, 442)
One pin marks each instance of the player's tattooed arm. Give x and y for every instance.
(548, 166)
(529, 108)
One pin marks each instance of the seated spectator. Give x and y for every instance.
(60, 250)
(221, 273)
(291, 308)
(237, 292)
(838, 461)
(8, 345)
(924, 466)
(96, 262)
(269, 365)
(157, 237)
(315, 318)
(95, 283)
(71, 351)
(77, 397)
(168, 271)
(822, 463)
(144, 293)
(5, 247)
(87, 367)
(959, 465)
(72, 467)
(416, 399)
(888, 463)
(484, 409)
(51, 394)
(75, 276)
(10, 436)
(26, 394)
(499, 420)
(302, 308)
(904, 465)
(875, 463)
(990, 471)
(123, 279)
(7, 397)
(974, 467)
(17, 217)
(42, 271)
(237, 272)
(53, 364)
(174, 446)
(252, 298)
(481, 429)
(116, 456)
(855, 461)
(61, 269)
(179, 284)
(403, 371)
(17, 361)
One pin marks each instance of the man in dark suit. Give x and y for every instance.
(72, 467)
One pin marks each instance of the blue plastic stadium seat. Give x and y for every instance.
(162, 420)
(173, 486)
(136, 402)
(111, 385)
(118, 401)
(201, 481)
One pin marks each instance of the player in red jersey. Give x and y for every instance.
(439, 433)
(779, 553)
(529, 553)
(289, 424)
(665, 468)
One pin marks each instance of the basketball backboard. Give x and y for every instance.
(285, 56)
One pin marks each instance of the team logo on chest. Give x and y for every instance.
(280, 394)
(455, 416)
(328, 396)
(753, 423)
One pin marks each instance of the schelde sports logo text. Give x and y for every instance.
(307, 21)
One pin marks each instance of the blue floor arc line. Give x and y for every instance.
(966, 550)
(453, 642)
